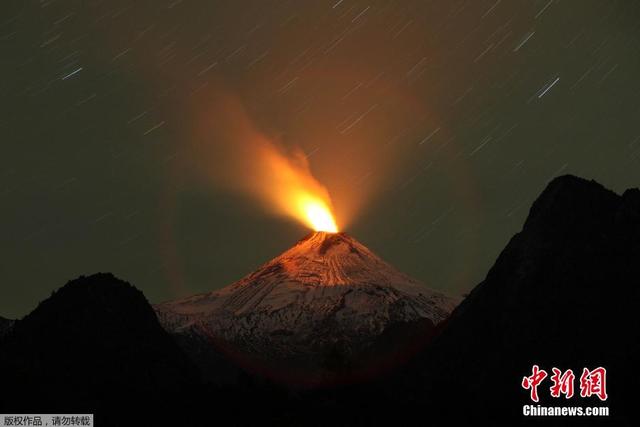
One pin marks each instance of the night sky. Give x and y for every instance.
(433, 124)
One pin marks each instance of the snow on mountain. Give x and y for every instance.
(327, 288)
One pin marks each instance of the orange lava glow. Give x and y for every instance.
(278, 175)
(288, 182)
(318, 215)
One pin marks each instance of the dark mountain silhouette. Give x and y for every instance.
(5, 326)
(94, 342)
(563, 293)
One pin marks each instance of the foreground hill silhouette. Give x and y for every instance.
(563, 293)
(94, 342)
(5, 326)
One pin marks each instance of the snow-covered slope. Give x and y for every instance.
(328, 288)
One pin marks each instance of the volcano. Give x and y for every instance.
(326, 295)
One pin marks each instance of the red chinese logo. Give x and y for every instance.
(592, 383)
(562, 383)
(534, 381)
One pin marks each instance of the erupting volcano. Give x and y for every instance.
(328, 297)
(326, 294)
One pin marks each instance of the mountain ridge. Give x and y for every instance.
(94, 335)
(5, 326)
(562, 293)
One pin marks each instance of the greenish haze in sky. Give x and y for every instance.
(441, 121)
